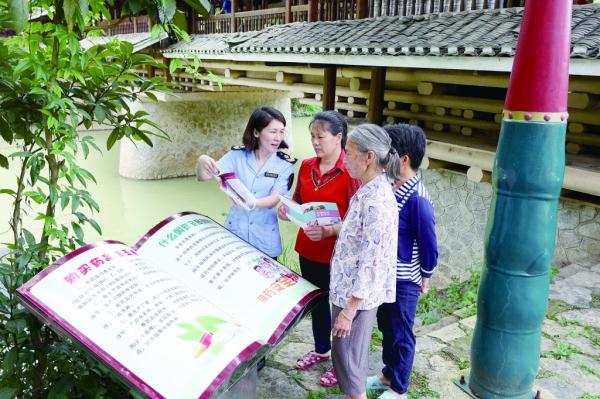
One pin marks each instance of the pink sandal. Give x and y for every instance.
(309, 360)
(328, 379)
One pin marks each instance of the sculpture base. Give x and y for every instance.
(464, 386)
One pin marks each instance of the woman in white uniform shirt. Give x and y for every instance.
(264, 170)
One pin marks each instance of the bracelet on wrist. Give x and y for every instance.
(345, 316)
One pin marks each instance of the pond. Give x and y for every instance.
(129, 208)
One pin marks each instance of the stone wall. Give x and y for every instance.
(461, 209)
(198, 123)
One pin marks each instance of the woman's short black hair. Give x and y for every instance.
(333, 122)
(408, 140)
(260, 119)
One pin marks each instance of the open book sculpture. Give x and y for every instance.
(175, 314)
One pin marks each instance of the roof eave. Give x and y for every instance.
(578, 66)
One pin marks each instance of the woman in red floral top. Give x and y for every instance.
(322, 179)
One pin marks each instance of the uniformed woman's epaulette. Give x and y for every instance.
(237, 147)
(286, 157)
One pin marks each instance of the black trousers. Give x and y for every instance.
(319, 274)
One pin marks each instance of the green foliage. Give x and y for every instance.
(50, 89)
(376, 339)
(299, 109)
(18, 11)
(289, 257)
(437, 304)
(588, 396)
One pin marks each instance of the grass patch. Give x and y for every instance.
(459, 295)
(566, 322)
(588, 396)
(589, 369)
(562, 350)
(419, 387)
(555, 307)
(593, 334)
(595, 300)
(463, 364)
(553, 273)
(323, 393)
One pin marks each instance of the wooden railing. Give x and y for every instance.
(336, 10)
(259, 19)
(402, 8)
(245, 21)
(127, 25)
(215, 24)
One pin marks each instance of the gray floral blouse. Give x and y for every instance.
(364, 258)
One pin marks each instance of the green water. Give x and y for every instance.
(129, 208)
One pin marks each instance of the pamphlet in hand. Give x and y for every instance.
(312, 213)
(235, 189)
(179, 315)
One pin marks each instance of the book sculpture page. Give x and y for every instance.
(175, 314)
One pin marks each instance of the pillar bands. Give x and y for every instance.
(519, 246)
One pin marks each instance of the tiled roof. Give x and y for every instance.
(139, 40)
(475, 33)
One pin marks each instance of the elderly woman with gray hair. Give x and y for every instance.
(364, 262)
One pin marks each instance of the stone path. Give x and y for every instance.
(569, 366)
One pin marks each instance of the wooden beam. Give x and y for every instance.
(476, 104)
(358, 84)
(376, 104)
(230, 74)
(475, 174)
(287, 78)
(430, 163)
(472, 123)
(329, 88)
(576, 127)
(573, 148)
(428, 88)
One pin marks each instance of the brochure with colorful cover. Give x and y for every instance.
(176, 314)
(236, 190)
(311, 213)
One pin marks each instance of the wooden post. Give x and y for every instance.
(329, 88)
(288, 11)
(375, 114)
(192, 20)
(232, 16)
(150, 71)
(313, 8)
(168, 76)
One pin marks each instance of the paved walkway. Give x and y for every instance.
(569, 366)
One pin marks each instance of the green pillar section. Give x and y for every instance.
(519, 247)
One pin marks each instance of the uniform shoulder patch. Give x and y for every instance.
(286, 157)
(237, 147)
